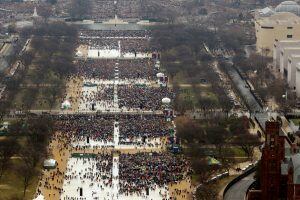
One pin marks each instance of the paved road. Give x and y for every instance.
(5, 51)
(244, 91)
(238, 190)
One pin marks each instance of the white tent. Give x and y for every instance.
(66, 105)
(159, 75)
(39, 197)
(166, 100)
(79, 53)
(50, 163)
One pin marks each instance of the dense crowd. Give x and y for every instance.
(105, 69)
(145, 98)
(101, 10)
(99, 43)
(79, 128)
(136, 69)
(134, 45)
(103, 93)
(114, 33)
(133, 127)
(96, 68)
(126, 44)
(142, 171)
(104, 9)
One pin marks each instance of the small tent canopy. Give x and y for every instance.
(159, 75)
(166, 100)
(4, 125)
(39, 197)
(66, 104)
(79, 53)
(212, 161)
(50, 163)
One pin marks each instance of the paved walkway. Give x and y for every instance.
(116, 134)
(238, 190)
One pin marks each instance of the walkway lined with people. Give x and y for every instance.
(115, 129)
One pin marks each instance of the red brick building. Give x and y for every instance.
(279, 169)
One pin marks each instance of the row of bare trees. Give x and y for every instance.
(50, 60)
(217, 138)
(26, 143)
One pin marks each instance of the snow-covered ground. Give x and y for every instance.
(104, 53)
(85, 175)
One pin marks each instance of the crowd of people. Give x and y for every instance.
(105, 69)
(109, 80)
(127, 45)
(135, 45)
(103, 95)
(145, 98)
(99, 43)
(137, 69)
(96, 68)
(142, 171)
(133, 127)
(95, 171)
(104, 9)
(88, 33)
(100, 127)
(82, 128)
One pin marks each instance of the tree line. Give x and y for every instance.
(216, 138)
(27, 141)
(49, 60)
(184, 54)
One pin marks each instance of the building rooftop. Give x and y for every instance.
(282, 18)
(288, 6)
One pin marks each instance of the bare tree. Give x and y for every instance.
(247, 142)
(27, 169)
(8, 147)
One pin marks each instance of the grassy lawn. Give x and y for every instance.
(229, 152)
(17, 102)
(188, 94)
(41, 102)
(194, 95)
(11, 186)
(295, 121)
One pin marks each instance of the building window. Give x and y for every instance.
(289, 27)
(289, 36)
